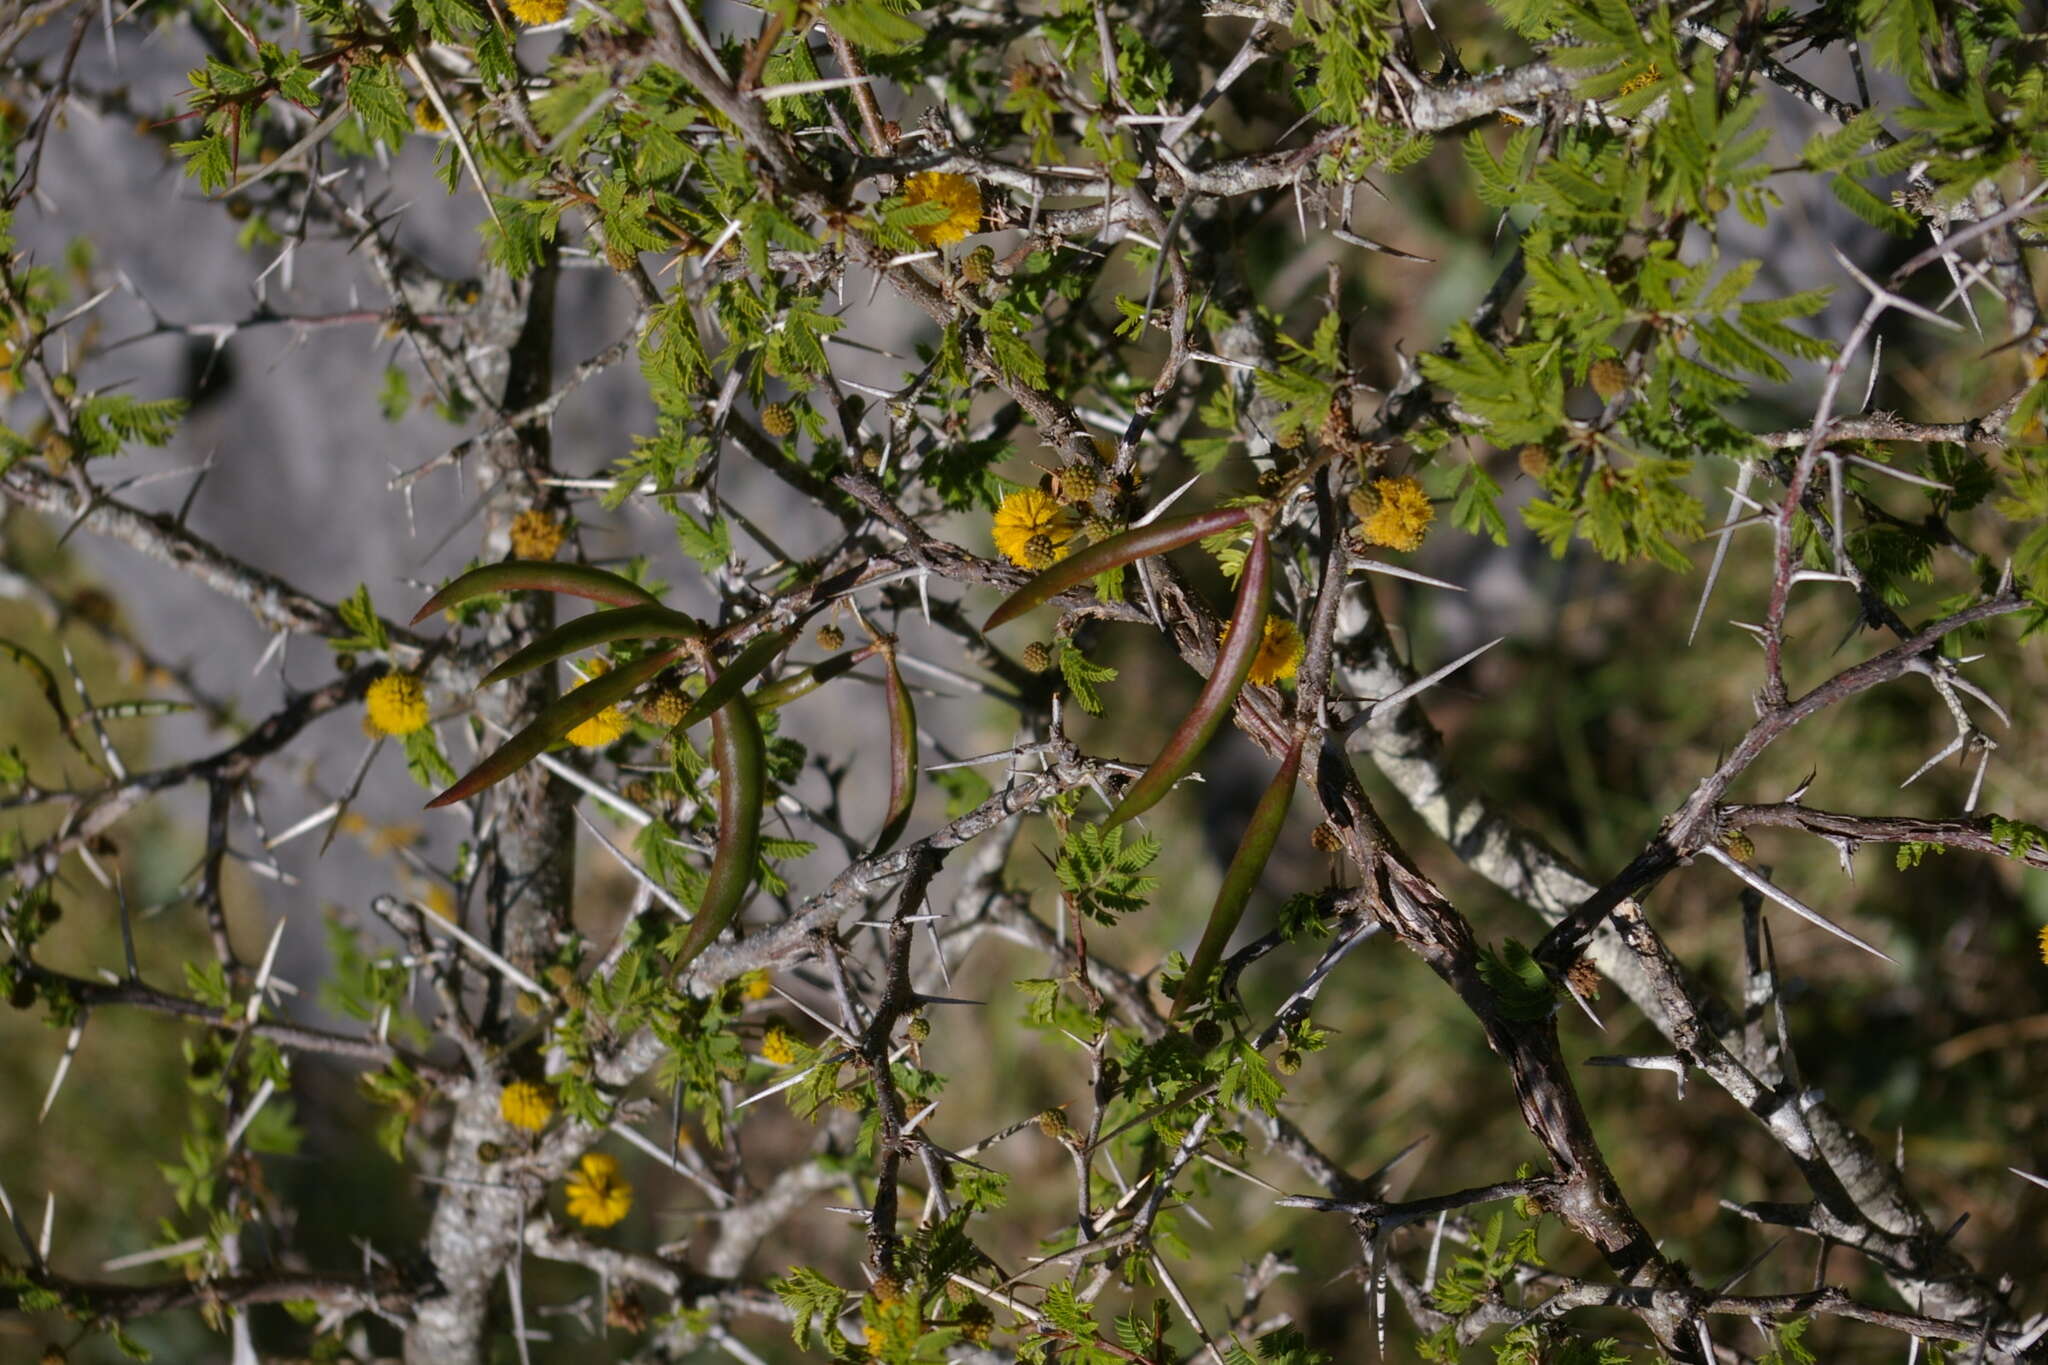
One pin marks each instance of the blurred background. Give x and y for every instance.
(1589, 724)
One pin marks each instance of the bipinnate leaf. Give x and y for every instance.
(1126, 547)
(902, 754)
(1240, 879)
(1226, 679)
(576, 580)
(561, 716)
(598, 628)
(738, 755)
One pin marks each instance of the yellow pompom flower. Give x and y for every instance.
(524, 1104)
(427, 118)
(1279, 653)
(962, 200)
(396, 704)
(1030, 515)
(535, 535)
(531, 12)
(1403, 516)
(778, 1044)
(607, 725)
(754, 985)
(597, 1197)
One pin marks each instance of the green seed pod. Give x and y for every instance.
(1078, 483)
(1040, 552)
(598, 628)
(557, 719)
(739, 755)
(577, 580)
(1242, 876)
(744, 668)
(919, 1028)
(783, 691)
(1226, 679)
(1114, 553)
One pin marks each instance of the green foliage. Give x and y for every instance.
(1345, 42)
(2017, 838)
(1909, 854)
(366, 628)
(1105, 878)
(1281, 1346)
(1478, 1271)
(1788, 1344)
(815, 1304)
(1082, 676)
(1517, 981)
(1544, 1345)
(879, 25)
(105, 422)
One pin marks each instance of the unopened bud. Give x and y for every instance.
(1609, 379)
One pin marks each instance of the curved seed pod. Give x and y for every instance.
(786, 690)
(598, 628)
(1240, 879)
(744, 668)
(902, 754)
(1115, 552)
(561, 716)
(1226, 679)
(577, 580)
(738, 754)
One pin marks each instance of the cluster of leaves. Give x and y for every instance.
(1676, 343)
